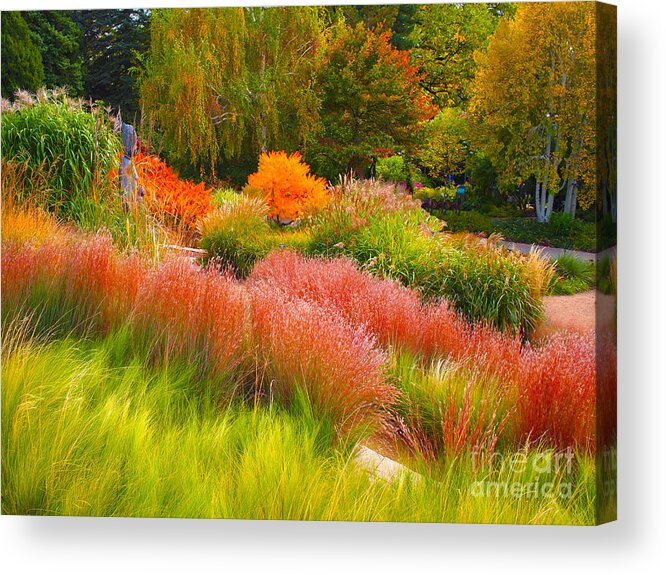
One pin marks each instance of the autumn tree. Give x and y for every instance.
(370, 99)
(533, 98)
(221, 83)
(445, 143)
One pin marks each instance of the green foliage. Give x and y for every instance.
(58, 39)
(22, 66)
(391, 169)
(61, 144)
(445, 38)
(395, 238)
(247, 73)
(444, 148)
(110, 436)
(114, 43)
(237, 234)
(223, 196)
(573, 275)
(468, 222)
(530, 231)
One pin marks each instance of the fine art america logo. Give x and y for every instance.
(520, 476)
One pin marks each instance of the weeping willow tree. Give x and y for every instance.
(224, 82)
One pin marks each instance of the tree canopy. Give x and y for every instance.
(371, 100)
(534, 100)
(113, 43)
(220, 83)
(58, 39)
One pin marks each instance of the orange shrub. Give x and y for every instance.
(287, 186)
(183, 200)
(166, 196)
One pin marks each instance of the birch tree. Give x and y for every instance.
(534, 98)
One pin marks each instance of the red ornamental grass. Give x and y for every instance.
(193, 314)
(85, 278)
(445, 333)
(391, 312)
(556, 387)
(302, 345)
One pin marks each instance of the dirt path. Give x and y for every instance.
(577, 313)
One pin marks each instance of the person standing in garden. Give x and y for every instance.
(460, 196)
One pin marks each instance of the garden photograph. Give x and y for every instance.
(329, 263)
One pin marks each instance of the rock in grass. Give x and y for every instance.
(380, 467)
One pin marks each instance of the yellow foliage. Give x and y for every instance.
(287, 186)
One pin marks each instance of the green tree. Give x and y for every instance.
(58, 39)
(445, 140)
(113, 44)
(371, 100)
(22, 66)
(445, 38)
(221, 83)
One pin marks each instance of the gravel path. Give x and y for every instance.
(580, 312)
(551, 253)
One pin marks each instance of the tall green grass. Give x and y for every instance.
(106, 436)
(63, 145)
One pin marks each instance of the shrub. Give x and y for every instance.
(468, 222)
(237, 234)
(286, 185)
(528, 230)
(223, 196)
(64, 146)
(174, 201)
(391, 169)
(573, 275)
(390, 235)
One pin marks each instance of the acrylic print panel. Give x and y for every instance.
(320, 263)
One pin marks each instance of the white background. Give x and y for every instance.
(634, 544)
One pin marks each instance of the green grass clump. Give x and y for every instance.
(63, 148)
(572, 275)
(103, 435)
(237, 234)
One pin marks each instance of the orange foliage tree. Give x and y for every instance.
(287, 186)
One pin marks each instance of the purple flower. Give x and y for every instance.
(417, 184)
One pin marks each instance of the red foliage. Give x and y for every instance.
(301, 344)
(553, 385)
(556, 386)
(176, 201)
(315, 324)
(183, 311)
